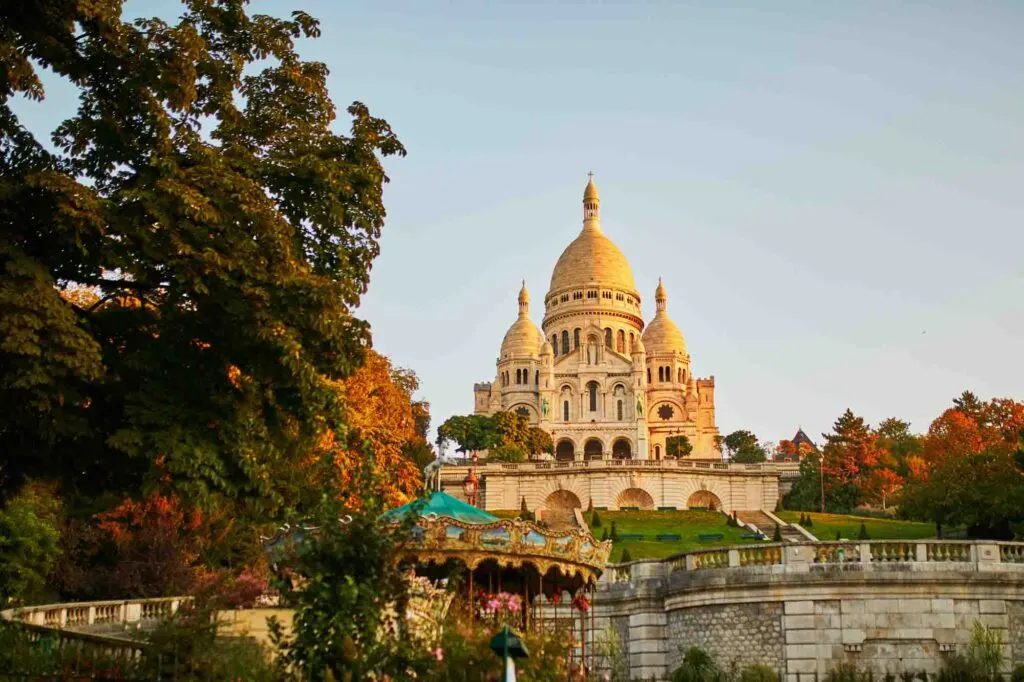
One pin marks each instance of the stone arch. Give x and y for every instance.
(593, 448)
(565, 450)
(562, 499)
(622, 449)
(706, 499)
(635, 497)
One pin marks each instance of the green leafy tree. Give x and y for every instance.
(677, 447)
(29, 543)
(743, 447)
(469, 432)
(626, 556)
(984, 492)
(507, 453)
(227, 230)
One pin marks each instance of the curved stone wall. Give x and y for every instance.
(888, 607)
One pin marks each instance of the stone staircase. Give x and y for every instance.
(559, 519)
(765, 524)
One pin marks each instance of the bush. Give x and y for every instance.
(29, 543)
(590, 504)
(604, 535)
(1018, 674)
(759, 673)
(810, 522)
(697, 666)
(779, 505)
(626, 556)
(846, 672)
(839, 536)
(777, 536)
(524, 511)
(614, 535)
(863, 534)
(595, 520)
(507, 453)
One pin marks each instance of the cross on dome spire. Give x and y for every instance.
(660, 297)
(524, 300)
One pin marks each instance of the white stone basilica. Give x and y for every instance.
(600, 382)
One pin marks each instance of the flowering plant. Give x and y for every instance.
(581, 603)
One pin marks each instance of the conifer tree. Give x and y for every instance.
(626, 556)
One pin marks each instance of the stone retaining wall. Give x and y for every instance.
(735, 634)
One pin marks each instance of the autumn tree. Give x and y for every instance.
(381, 415)
(200, 189)
(851, 450)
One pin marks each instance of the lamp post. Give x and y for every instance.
(508, 646)
(470, 485)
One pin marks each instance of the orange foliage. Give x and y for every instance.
(996, 426)
(379, 409)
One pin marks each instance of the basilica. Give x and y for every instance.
(602, 382)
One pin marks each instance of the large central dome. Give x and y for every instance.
(592, 258)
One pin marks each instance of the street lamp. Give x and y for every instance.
(470, 485)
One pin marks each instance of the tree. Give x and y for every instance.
(471, 432)
(626, 556)
(850, 451)
(380, 411)
(742, 447)
(507, 453)
(677, 447)
(29, 535)
(984, 492)
(228, 230)
(486, 432)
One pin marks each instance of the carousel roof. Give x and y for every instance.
(442, 504)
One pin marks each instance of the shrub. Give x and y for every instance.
(507, 453)
(985, 652)
(590, 504)
(595, 520)
(846, 672)
(524, 511)
(1018, 674)
(777, 536)
(626, 556)
(779, 505)
(759, 673)
(839, 536)
(614, 535)
(810, 522)
(697, 666)
(604, 535)
(863, 534)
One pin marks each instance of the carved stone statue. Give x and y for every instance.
(432, 472)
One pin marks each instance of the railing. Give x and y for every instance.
(597, 464)
(131, 614)
(974, 555)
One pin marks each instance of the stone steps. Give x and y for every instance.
(766, 525)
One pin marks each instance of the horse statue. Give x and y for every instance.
(432, 472)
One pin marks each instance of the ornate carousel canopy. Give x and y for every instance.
(451, 531)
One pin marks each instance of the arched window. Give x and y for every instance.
(657, 452)
(661, 374)
(536, 377)
(620, 342)
(576, 338)
(631, 342)
(565, 342)
(648, 375)
(592, 389)
(565, 410)
(608, 336)
(680, 375)
(618, 409)
(519, 376)
(554, 344)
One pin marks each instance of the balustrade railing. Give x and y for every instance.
(970, 555)
(131, 613)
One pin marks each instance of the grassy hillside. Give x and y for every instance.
(848, 526)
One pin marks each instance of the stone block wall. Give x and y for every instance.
(1015, 624)
(740, 634)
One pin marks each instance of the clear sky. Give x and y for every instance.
(833, 192)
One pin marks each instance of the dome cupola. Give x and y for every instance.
(662, 335)
(523, 338)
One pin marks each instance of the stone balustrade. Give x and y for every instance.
(127, 614)
(632, 464)
(889, 606)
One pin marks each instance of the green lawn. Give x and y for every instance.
(688, 524)
(848, 526)
(650, 524)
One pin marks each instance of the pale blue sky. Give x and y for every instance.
(833, 192)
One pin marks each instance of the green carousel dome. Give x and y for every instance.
(441, 504)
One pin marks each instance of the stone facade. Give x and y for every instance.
(599, 381)
(618, 483)
(735, 634)
(887, 607)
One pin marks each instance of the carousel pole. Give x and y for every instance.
(540, 600)
(592, 632)
(471, 599)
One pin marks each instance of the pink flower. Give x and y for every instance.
(439, 654)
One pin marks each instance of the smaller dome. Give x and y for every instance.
(662, 335)
(591, 190)
(523, 337)
(638, 346)
(546, 349)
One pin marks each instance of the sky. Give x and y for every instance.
(832, 192)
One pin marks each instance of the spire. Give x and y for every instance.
(660, 297)
(524, 301)
(591, 205)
